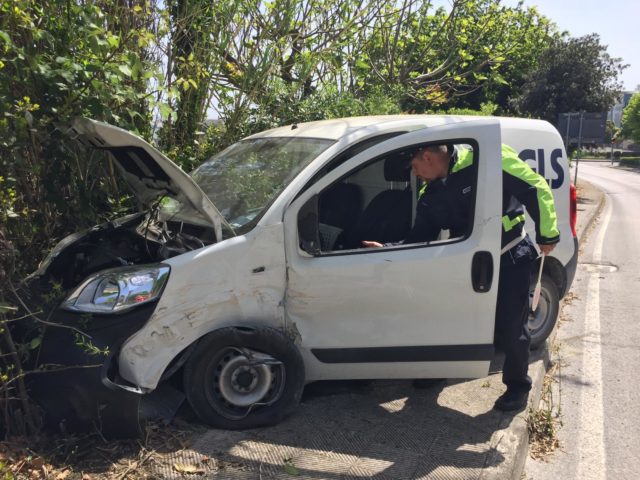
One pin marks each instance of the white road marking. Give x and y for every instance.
(592, 460)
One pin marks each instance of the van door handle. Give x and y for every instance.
(482, 271)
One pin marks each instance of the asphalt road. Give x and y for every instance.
(598, 344)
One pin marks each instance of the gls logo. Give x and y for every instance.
(539, 166)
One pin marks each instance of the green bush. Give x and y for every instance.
(277, 111)
(58, 60)
(630, 162)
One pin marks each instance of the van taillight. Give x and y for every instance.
(573, 212)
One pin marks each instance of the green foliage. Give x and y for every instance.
(84, 342)
(574, 74)
(244, 58)
(58, 60)
(631, 119)
(289, 467)
(486, 109)
(633, 162)
(440, 57)
(276, 111)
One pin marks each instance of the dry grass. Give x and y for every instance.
(544, 422)
(92, 457)
(570, 297)
(543, 440)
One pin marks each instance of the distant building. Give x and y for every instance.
(615, 114)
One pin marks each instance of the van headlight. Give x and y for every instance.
(118, 289)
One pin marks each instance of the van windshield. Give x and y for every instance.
(245, 178)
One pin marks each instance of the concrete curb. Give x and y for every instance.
(514, 436)
(511, 441)
(594, 214)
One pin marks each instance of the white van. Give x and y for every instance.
(248, 277)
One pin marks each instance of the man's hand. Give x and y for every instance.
(370, 244)
(546, 249)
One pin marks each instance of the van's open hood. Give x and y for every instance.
(147, 171)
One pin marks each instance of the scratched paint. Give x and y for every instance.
(209, 289)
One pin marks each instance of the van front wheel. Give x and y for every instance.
(240, 378)
(543, 319)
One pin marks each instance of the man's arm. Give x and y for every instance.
(533, 191)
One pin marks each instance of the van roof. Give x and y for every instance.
(340, 127)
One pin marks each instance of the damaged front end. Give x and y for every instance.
(110, 279)
(102, 285)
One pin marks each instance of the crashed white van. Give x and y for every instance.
(247, 278)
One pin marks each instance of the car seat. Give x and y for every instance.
(387, 218)
(338, 209)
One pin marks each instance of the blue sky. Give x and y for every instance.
(616, 21)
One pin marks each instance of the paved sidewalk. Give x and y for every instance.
(385, 429)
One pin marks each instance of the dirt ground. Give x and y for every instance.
(90, 456)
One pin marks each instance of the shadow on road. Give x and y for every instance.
(381, 429)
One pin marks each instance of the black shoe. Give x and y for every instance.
(421, 383)
(512, 400)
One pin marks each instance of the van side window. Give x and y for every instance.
(350, 152)
(380, 201)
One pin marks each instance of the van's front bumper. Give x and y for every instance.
(74, 358)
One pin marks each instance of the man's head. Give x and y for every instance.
(431, 163)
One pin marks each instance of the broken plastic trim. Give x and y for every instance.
(111, 364)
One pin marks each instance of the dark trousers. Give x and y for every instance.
(512, 314)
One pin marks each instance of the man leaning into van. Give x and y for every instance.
(445, 205)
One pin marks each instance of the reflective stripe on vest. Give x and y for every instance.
(508, 224)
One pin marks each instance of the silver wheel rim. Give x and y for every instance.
(242, 383)
(243, 380)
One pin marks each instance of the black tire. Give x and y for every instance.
(543, 320)
(217, 372)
